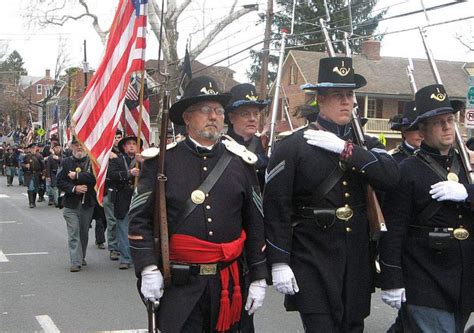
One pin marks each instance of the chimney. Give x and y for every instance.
(371, 49)
(48, 73)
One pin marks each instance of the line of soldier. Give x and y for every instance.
(309, 234)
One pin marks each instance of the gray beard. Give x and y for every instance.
(208, 135)
(79, 155)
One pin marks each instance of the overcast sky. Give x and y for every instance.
(39, 47)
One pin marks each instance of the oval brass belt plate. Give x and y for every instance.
(344, 213)
(461, 233)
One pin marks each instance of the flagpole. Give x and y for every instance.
(139, 131)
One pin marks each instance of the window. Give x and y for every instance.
(371, 110)
(39, 89)
(374, 108)
(293, 75)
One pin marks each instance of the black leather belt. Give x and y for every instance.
(459, 233)
(202, 269)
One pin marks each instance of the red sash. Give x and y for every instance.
(192, 250)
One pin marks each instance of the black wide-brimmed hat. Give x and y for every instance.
(199, 89)
(245, 94)
(336, 72)
(432, 101)
(124, 140)
(404, 121)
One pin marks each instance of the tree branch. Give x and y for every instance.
(180, 9)
(154, 19)
(463, 43)
(218, 28)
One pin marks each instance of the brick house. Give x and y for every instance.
(387, 88)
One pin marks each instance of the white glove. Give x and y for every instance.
(152, 285)
(256, 296)
(326, 140)
(394, 297)
(448, 191)
(284, 280)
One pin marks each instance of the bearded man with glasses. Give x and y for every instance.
(214, 212)
(427, 255)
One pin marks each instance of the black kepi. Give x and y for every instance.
(245, 94)
(199, 89)
(336, 72)
(122, 142)
(404, 121)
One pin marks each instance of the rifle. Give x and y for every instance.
(374, 212)
(152, 307)
(160, 239)
(459, 141)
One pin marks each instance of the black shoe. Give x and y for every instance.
(75, 268)
(40, 199)
(84, 262)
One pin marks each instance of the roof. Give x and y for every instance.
(26, 80)
(387, 76)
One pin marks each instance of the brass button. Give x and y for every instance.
(348, 229)
(208, 207)
(363, 171)
(460, 216)
(205, 168)
(448, 168)
(353, 168)
(209, 219)
(211, 233)
(347, 195)
(207, 194)
(204, 158)
(345, 183)
(346, 205)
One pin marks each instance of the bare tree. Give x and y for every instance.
(466, 39)
(58, 12)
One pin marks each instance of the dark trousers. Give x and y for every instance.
(321, 322)
(100, 226)
(421, 319)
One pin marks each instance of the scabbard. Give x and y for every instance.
(152, 308)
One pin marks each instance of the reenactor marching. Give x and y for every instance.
(242, 115)
(33, 166)
(427, 254)
(214, 211)
(411, 137)
(316, 212)
(10, 162)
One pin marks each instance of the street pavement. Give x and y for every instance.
(39, 294)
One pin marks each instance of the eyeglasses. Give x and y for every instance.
(248, 114)
(340, 95)
(442, 123)
(207, 110)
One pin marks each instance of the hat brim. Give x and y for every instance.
(359, 82)
(433, 113)
(122, 142)
(178, 108)
(245, 102)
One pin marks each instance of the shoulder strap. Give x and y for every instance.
(253, 144)
(434, 206)
(205, 187)
(327, 184)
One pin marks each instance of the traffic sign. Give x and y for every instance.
(469, 118)
(470, 96)
(40, 131)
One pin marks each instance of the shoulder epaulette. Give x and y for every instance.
(154, 151)
(239, 150)
(394, 151)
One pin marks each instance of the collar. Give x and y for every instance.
(408, 147)
(342, 131)
(435, 151)
(237, 137)
(198, 145)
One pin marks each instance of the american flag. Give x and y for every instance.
(100, 110)
(55, 125)
(132, 111)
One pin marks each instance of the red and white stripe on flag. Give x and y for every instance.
(53, 130)
(97, 116)
(132, 118)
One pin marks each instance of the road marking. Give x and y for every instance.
(25, 194)
(9, 272)
(3, 258)
(4, 196)
(47, 324)
(7, 222)
(25, 254)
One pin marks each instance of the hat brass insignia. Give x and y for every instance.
(342, 71)
(209, 91)
(439, 96)
(251, 97)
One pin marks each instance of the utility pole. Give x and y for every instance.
(265, 57)
(86, 65)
